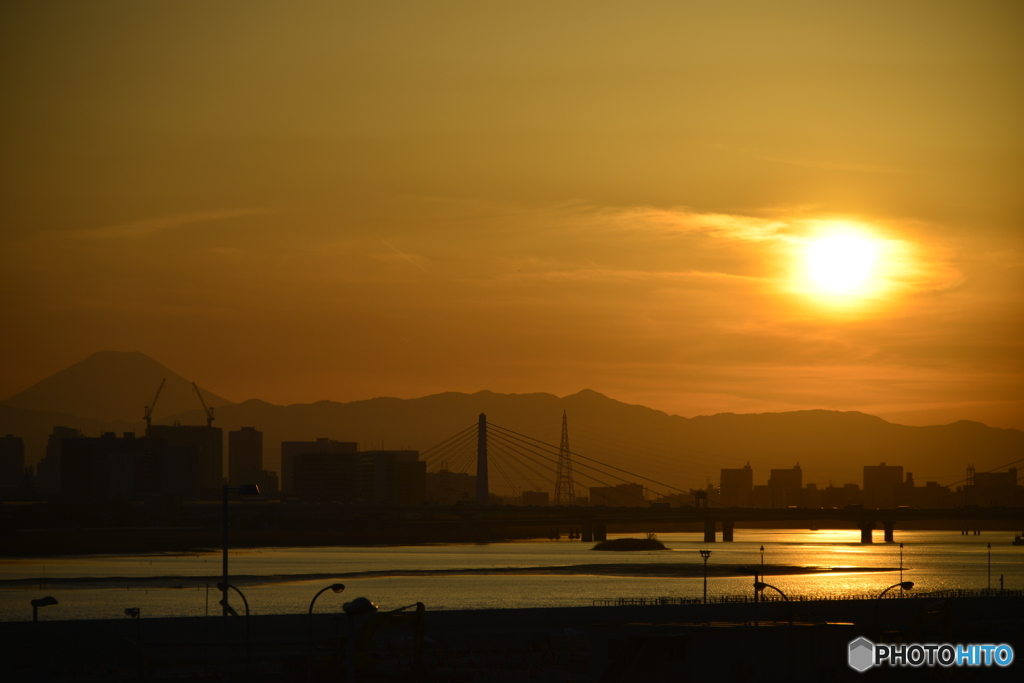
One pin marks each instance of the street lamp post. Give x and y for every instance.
(36, 604)
(761, 575)
(705, 554)
(901, 563)
(902, 585)
(990, 568)
(761, 585)
(42, 602)
(244, 490)
(337, 588)
(221, 588)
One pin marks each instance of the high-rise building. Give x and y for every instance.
(109, 467)
(841, 496)
(399, 477)
(48, 471)
(208, 441)
(735, 487)
(881, 485)
(331, 476)
(245, 456)
(813, 497)
(786, 487)
(290, 450)
(448, 488)
(12, 463)
(994, 489)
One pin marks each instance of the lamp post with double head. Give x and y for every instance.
(705, 554)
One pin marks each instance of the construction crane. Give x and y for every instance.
(206, 411)
(148, 417)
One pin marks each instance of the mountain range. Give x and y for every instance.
(108, 392)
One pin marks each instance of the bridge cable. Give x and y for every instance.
(632, 474)
(583, 474)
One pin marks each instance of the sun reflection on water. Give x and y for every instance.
(934, 560)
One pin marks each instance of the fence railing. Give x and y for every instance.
(723, 599)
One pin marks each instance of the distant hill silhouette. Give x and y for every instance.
(685, 452)
(111, 386)
(829, 445)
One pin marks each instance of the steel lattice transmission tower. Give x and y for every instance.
(565, 493)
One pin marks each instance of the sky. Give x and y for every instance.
(699, 207)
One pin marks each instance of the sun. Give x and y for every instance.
(842, 264)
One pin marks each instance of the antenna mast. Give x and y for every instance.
(148, 416)
(208, 412)
(565, 492)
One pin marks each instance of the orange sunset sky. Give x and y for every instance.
(700, 207)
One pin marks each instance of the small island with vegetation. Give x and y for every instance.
(651, 542)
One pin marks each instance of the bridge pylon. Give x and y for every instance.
(565, 493)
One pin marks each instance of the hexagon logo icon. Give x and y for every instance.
(862, 654)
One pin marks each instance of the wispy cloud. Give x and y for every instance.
(405, 256)
(825, 164)
(150, 226)
(748, 228)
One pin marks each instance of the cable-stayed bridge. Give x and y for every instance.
(519, 457)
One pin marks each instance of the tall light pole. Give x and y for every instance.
(244, 490)
(762, 574)
(901, 563)
(902, 585)
(222, 589)
(761, 585)
(989, 567)
(337, 588)
(705, 554)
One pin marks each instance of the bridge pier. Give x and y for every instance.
(727, 531)
(587, 532)
(600, 532)
(888, 526)
(709, 531)
(865, 531)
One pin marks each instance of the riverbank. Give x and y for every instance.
(806, 641)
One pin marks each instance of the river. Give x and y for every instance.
(283, 580)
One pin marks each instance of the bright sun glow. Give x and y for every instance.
(842, 264)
